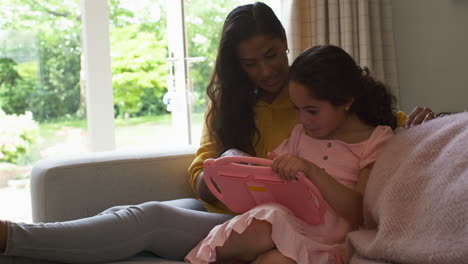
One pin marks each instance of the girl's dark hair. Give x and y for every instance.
(232, 93)
(332, 75)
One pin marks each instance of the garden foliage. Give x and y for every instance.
(17, 135)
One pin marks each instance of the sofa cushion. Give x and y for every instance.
(75, 187)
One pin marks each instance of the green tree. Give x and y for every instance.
(139, 70)
(54, 38)
(54, 34)
(139, 50)
(58, 92)
(8, 78)
(138, 67)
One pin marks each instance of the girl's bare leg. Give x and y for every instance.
(255, 240)
(273, 257)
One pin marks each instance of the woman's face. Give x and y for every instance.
(265, 60)
(319, 118)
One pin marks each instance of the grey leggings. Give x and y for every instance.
(168, 229)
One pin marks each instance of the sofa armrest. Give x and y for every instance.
(76, 187)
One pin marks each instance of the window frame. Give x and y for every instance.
(98, 74)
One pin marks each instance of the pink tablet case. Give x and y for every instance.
(244, 186)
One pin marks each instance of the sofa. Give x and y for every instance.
(414, 209)
(80, 186)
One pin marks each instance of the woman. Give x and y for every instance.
(249, 108)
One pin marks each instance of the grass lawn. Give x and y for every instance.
(61, 137)
(49, 129)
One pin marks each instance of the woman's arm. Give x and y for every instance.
(207, 150)
(345, 201)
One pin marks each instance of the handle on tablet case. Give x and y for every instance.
(228, 160)
(244, 159)
(209, 181)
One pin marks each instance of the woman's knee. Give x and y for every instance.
(114, 209)
(187, 203)
(150, 210)
(161, 213)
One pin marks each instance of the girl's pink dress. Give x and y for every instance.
(294, 238)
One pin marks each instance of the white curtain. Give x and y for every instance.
(361, 27)
(291, 19)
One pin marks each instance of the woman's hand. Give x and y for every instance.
(203, 192)
(418, 116)
(287, 166)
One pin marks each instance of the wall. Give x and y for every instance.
(432, 53)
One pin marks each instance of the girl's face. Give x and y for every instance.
(265, 61)
(319, 118)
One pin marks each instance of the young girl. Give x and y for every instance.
(345, 119)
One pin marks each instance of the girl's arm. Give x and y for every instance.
(345, 201)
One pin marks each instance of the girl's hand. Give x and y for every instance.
(272, 155)
(287, 166)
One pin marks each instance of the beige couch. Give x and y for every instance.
(76, 187)
(414, 207)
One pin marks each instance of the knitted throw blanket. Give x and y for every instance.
(416, 199)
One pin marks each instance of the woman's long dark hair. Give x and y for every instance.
(332, 75)
(232, 93)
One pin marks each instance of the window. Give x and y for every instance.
(96, 75)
